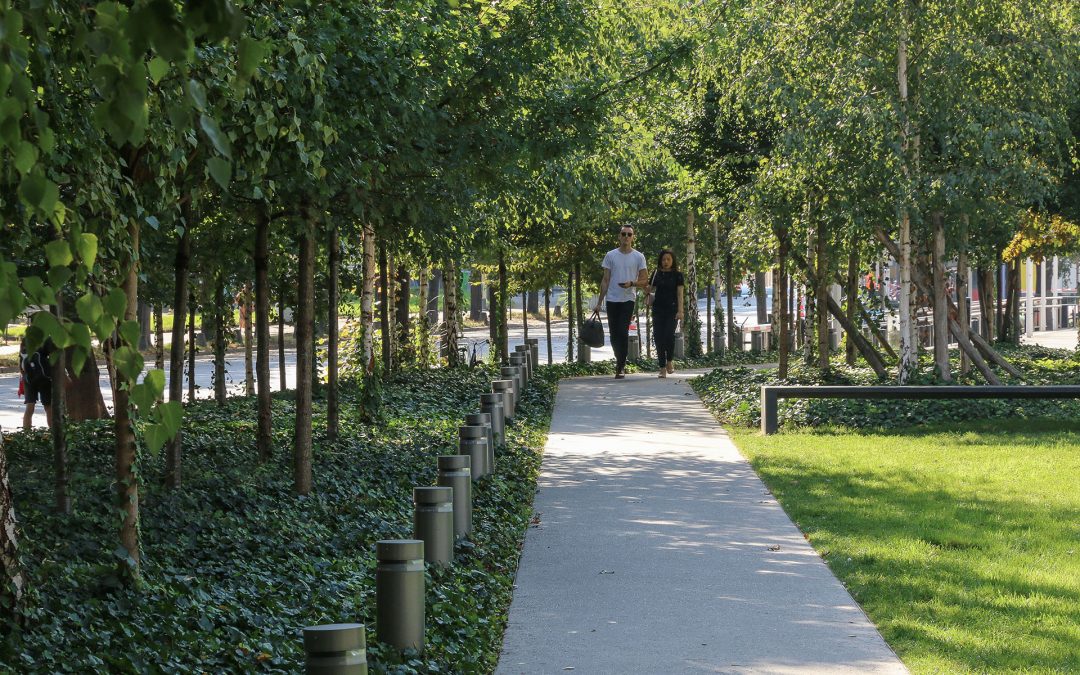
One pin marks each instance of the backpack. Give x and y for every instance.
(36, 368)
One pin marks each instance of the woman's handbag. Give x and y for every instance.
(592, 331)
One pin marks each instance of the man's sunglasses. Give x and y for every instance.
(626, 234)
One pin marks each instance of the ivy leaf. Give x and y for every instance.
(129, 362)
(221, 170)
(39, 192)
(89, 309)
(130, 332)
(26, 156)
(87, 244)
(158, 68)
(115, 303)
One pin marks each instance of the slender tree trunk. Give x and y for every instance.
(12, 579)
(811, 299)
(525, 316)
(851, 353)
(283, 383)
(691, 319)
(571, 316)
(734, 342)
(404, 298)
(761, 304)
(578, 300)
(305, 317)
(58, 428)
(264, 441)
(393, 330)
(963, 295)
(504, 303)
(719, 325)
(453, 290)
(384, 310)
(1002, 299)
(367, 302)
(249, 357)
(1014, 291)
(547, 320)
(988, 322)
(708, 319)
(782, 291)
(192, 348)
(332, 336)
(821, 291)
(142, 315)
(127, 477)
(941, 312)
(423, 333)
(174, 448)
(159, 337)
(476, 299)
(219, 340)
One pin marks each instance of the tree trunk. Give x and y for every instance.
(384, 310)
(708, 319)
(433, 298)
(58, 428)
(852, 286)
(249, 358)
(367, 303)
(525, 316)
(963, 296)
(811, 300)
(404, 298)
(909, 140)
(571, 321)
(716, 282)
(453, 290)
(423, 328)
(181, 262)
(987, 322)
(761, 304)
(283, 382)
(781, 289)
(1001, 299)
(83, 400)
(393, 331)
(12, 580)
(1014, 291)
(127, 477)
(504, 303)
(264, 441)
(305, 316)
(941, 312)
(333, 301)
(159, 337)
(142, 315)
(821, 294)
(476, 299)
(547, 320)
(219, 340)
(734, 342)
(191, 347)
(691, 329)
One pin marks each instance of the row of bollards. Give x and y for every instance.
(442, 517)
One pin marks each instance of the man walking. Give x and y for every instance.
(625, 266)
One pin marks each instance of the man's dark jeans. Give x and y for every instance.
(618, 319)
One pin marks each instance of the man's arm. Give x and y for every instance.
(603, 288)
(642, 278)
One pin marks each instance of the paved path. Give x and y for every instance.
(658, 550)
(1059, 339)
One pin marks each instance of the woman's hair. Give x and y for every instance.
(674, 260)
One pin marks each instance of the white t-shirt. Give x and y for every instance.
(624, 267)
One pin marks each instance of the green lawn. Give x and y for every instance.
(963, 546)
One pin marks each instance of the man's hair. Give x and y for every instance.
(630, 225)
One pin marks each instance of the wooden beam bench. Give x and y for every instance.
(771, 395)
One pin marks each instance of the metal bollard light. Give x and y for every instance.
(518, 361)
(433, 523)
(455, 471)
(525, 351)
(507, 389)
(513, 373)
(472, 441)
(399, 593)
(483, 419)
(584, 352)
(492, 404)
(633, 349)
(534, 346)
(335, 649)
(521, 359)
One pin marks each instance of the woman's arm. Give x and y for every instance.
(679, 299)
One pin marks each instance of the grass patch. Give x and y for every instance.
(962, 544)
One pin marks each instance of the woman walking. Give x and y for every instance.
(667, 308)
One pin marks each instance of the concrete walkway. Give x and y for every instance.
(658, 550)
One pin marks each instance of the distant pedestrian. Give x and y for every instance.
(626, 267)
(667, 308)
(37, 381)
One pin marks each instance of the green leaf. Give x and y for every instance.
(37, 292)
(26, 156)
(80, 337)
(89, 309)
(158, 68)
(129, 362)
(251, 54)
(213, 132)
(143, 398)
(156, 436)
(58, 276)
(172, 415)
(155, 379)
(87, 245)
(221, 170)
(51, 327)
(58, 253)
(40, 193)
(130, 332)
(198, 95)
(115, 303)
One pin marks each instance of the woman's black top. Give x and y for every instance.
(666, 285)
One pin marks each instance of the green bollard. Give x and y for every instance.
(474, 443)
(335, 649)
(506, 388)
(483, 419)
(492, 404)
(399, 593)
(433, 522)
(455, 472)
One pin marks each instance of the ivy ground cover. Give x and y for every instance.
(235, 564)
